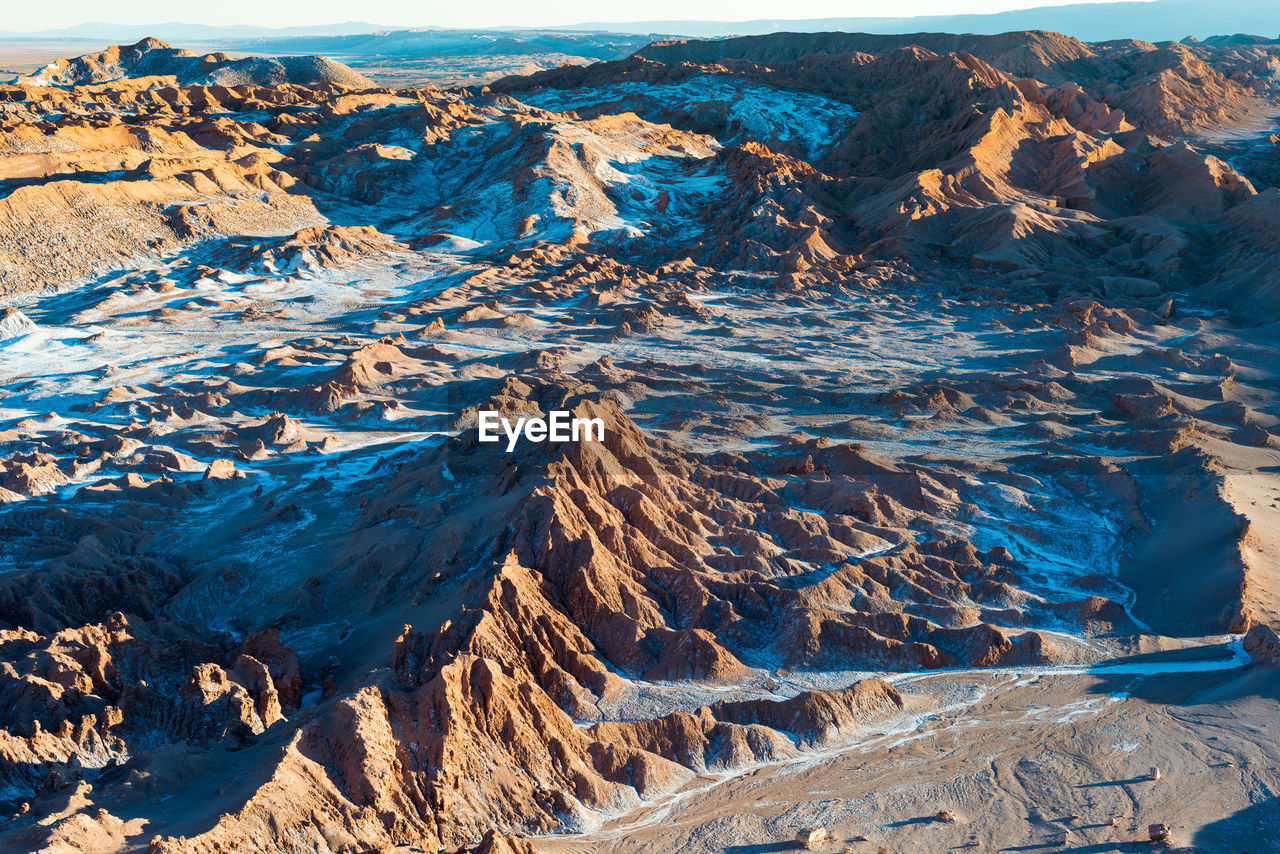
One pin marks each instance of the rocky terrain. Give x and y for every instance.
(396, 58)
(454, 57)
(152, 58)
(941, 465)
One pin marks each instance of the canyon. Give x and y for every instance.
(940, 466)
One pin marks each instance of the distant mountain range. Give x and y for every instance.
(454, 43)
(1152, 20)
(130, 33)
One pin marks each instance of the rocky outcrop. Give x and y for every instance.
(153, 58)
(1263, 645)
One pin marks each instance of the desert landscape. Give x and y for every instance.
(937, 508)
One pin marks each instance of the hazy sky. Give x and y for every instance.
(489, 13)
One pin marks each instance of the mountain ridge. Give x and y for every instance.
(151, 57)
(1151, 20)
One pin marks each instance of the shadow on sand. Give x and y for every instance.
(1130, 782)
(924, 819)
(1252, 830)
(1091, 848)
